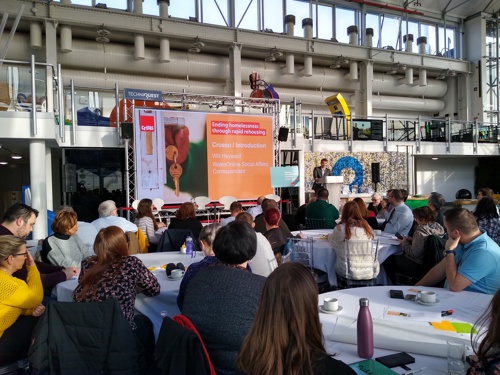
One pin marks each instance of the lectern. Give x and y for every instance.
(333, 185)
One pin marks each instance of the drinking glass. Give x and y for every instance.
(456, 357)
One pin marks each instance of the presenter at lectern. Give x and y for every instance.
(319, 172)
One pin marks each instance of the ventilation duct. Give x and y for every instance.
(307, 71)
(422, 74)
(66, 39)
(369, 37)
(289, 68)
(164, 50)
(139, 48)
(408, 79)
(35, 35)
(352, 31)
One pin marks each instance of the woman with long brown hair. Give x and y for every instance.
(185, 218)
(485, 340)
(291, 342)
(111, 273)
(368, 215)
(147, 222)
(352, 226)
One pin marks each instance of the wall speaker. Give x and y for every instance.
(375, 173)
(69, 178)
(283, 134)
(127, 130)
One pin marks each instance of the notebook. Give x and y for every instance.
(371, 367)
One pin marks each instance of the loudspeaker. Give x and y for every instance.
(127, 130)
(283, 134)
(375, 173)
(69, 178)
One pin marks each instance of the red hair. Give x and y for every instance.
(351, 217)
(272, 216)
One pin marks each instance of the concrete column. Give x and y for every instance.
(38, 184)
(235, 69)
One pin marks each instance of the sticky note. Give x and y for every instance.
(464, 327)
(444, 325)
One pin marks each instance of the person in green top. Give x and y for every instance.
(321, 209)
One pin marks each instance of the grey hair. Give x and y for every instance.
(437, 200)
(376, 196)
(106, 207)
(208, 232)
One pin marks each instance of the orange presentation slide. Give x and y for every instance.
(239, 155)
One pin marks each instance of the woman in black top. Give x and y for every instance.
(296, 343)
(185, 218)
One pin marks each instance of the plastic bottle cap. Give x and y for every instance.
(363, 302)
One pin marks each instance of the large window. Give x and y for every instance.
(447, 42)
(214, 12)
(248, 20)
(390, 31)
(429, 31)
(373, 21)
(343, 19)
(182, 8)
(273, 16)
(412, 29)
(299, 9)
(323, 22)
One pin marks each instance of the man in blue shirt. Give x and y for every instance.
(400, 217)
(472, 259)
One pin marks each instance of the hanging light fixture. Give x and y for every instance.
(196, 46)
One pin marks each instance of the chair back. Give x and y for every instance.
(361, 263)
(302, 251)
(135, 204)
(158, 204)
(201, 202)
(314, 223)
(84, 338)
(172, 240)
(180, 349)
(274, 197)
(226, 201)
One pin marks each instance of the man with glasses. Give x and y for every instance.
(400, 217)
(18, 220)
(108, 215)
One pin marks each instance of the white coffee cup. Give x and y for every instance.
(427, 296)
(377, 232)
(331, 304)
(175, 274)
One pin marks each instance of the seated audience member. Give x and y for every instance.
(235, 209)
(185, 218)
(108, 215)
(147, 223)
(261, 263)
(487, 343)
(257, 210)
(321, 209)
(369, 216)
(411, 262)
(384, 207)
(399, 218)
(64, 248)
(111, 273)
(300, 215)
(18, 220)
(206, 239)
(435, 202)
(375, 204)
(472, 259)
(86, 231)
(223, 325)
(291, 342)
(352, 226)
(260, 224)
(487, 218)
(20, 302)
(484, 193)
(274, 234)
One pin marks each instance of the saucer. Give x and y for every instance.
(174, 278)
(330, 312)
(428, 303)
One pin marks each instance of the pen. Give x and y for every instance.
(414, 371)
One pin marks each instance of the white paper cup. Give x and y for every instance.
(331, 304)
(427, 296)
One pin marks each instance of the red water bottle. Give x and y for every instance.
(365, 330)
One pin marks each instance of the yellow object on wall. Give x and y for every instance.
(338, 107)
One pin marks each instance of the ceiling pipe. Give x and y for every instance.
(139, 48)
(164, 50)
(422, 74)
(352, 31)
(35, 35)
(289, 68)
(386, 6)
(307, 24)
(66, 39)
(408, 79)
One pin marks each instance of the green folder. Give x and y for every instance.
(371, 367)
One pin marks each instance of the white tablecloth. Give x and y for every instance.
(149, 306)
(324, 257)
(418, 338)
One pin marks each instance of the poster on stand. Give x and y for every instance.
(183, 154)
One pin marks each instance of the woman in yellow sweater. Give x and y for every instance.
(20, 302)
